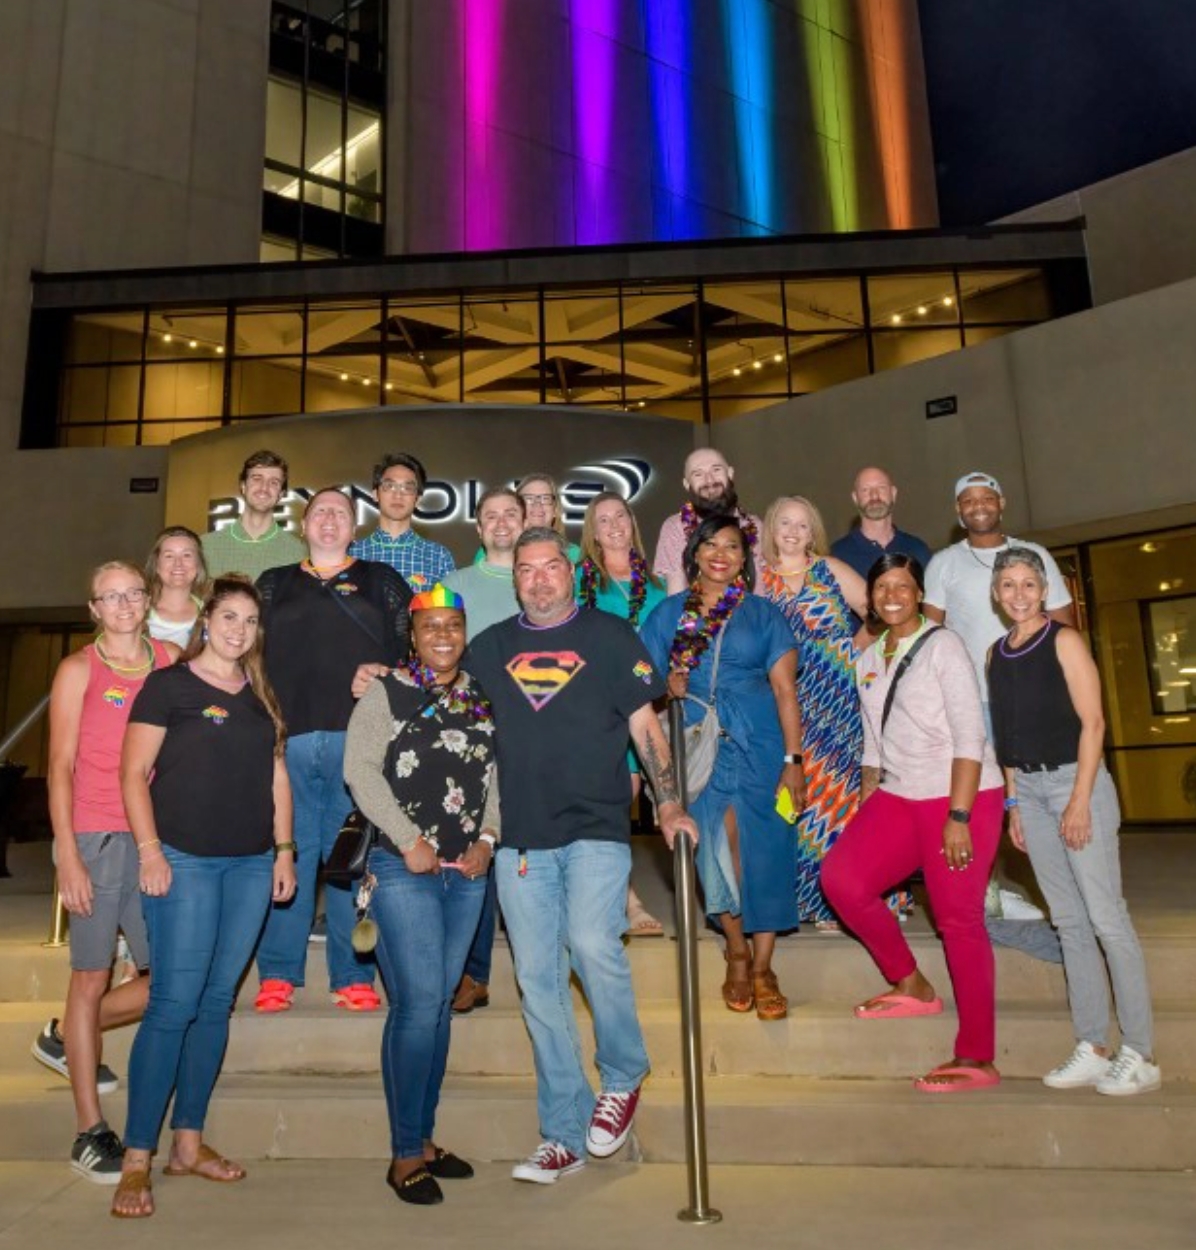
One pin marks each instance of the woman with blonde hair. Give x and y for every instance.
(814, 592)
(209, 801)
(94, 851)
(177, 578)
(542, 500)
(614, 576)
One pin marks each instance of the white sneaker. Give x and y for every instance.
(548, 1164)
(1083, 1067)
(1014, 907)
(1130, 1073)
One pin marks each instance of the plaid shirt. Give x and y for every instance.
(420, 563)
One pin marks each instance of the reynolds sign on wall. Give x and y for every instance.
(466, 450)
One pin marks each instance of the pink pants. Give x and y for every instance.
(888, 839)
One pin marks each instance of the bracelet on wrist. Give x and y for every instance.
(281, 847)
(793, 757)
(1011, 803)
(490, 840)
(142, 846)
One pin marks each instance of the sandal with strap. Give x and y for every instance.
(137, 1185)
(229, 1174)
(274, 995)
(771, 1004)
(358, 997)
(737, 989)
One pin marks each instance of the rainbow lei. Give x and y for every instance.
(690, 520)
(696, 632)
(591, 575)
(476, 705)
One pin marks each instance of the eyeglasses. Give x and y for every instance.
(113, 598)
(388, 486)
(538, 500)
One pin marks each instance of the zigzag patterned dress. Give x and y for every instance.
(832, 733)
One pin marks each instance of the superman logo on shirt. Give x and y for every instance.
(542, 675)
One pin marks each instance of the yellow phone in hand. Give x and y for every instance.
(785, 809)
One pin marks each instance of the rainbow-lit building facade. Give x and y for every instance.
(561, 123)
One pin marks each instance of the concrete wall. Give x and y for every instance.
(1087, 421)
(1140, 232)
(130, 135)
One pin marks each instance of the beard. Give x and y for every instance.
(876, 511)
(726, 501)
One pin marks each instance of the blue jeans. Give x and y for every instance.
(201, 936)
(481, 950)
(316, 767)
(425, 924)
(569, 911)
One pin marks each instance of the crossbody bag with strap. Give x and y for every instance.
(906, 660)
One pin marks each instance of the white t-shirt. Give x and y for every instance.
(959, 581)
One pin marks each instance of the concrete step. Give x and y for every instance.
(809, 966)
(1019, 1125)
(818, 1040)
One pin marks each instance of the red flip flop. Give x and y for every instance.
(954, 1078)
(898, 1007)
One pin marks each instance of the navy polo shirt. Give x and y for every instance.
(862, 553)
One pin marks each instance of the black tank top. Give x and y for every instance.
(1034, 721)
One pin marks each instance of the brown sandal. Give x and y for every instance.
(132, 1184)
(206, 1155)
(737, 990)
(771, 1004)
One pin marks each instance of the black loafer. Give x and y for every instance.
(419, 1188)
(448, 1167)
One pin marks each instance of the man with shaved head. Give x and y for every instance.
(710, 483)
(875, 496)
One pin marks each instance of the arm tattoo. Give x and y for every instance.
(660, 773)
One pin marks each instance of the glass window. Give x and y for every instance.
(284, 123)
(363, 151)
(159, 433)
(1169, 627)
(1004, 295)
(273, 249)
(343, 382)
(266, 388)
(184, 390)
(323, 153)
(97, 338)
(913, 299)
(508, 375)
(824, 304)
(819, 361)
(269, 330)
(893, 348)
(96, 393)
(177, 335)
(581, 316)
(494, 322)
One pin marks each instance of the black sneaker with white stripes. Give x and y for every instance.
(97, 1155)
(48, 1048)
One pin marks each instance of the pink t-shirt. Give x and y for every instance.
(97, 806)
(670, 550)
(936, 717)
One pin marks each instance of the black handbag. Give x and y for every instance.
(346, 862)
(351, 851)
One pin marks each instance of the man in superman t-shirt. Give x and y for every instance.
(568, 688)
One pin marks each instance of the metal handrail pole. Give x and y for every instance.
(23, 726)
(59, 920)
(699, 1210)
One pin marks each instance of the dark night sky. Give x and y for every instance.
(1032, 98)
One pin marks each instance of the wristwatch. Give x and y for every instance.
(793, 758)
(960, 815)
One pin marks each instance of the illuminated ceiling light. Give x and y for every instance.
(736, 371)
(1185, 682)
(948, 301)
(896, 319)
(757, 364)
(1188, 670)
(166, 338)
(1149, 548)
(1164, 585)
(778, 358)
(390, 386)
(219, 349)
(642, 403)
(366, 382)
(344, 377)
(193, 343)
(922, 310)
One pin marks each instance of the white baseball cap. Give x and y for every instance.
(978, 479)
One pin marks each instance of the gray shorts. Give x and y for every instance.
(111, 859)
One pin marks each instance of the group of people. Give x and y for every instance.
(247, 689)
